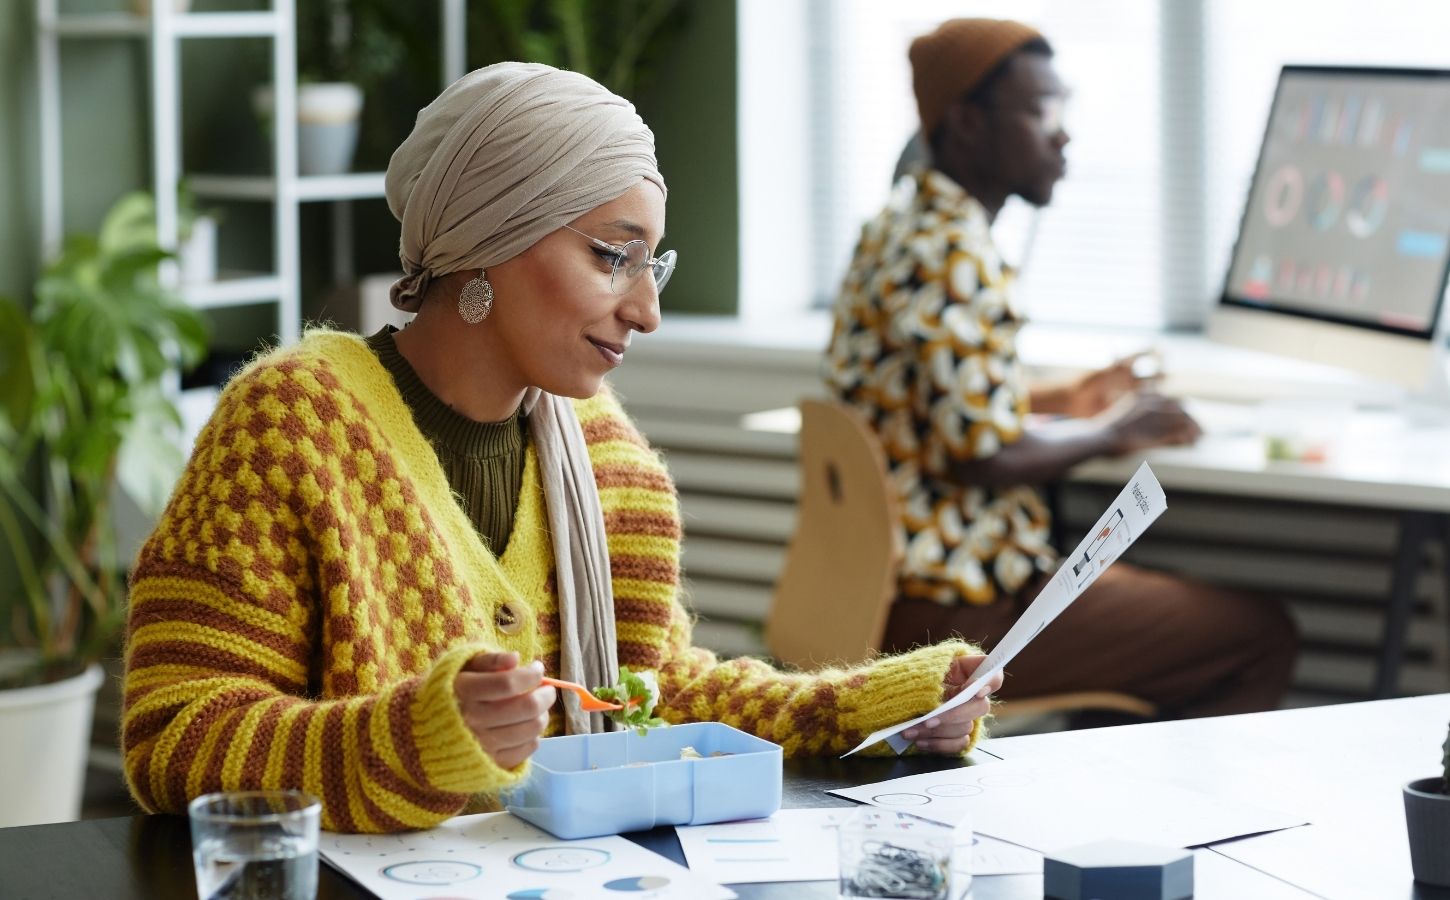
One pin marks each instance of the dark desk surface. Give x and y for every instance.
(149, 857)
(1341, 766)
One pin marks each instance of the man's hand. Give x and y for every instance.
(505, 706)
(947, 734)
(1097, 391)
(1149, 420)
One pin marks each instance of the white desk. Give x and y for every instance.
(1376, 459)
(1339, 766)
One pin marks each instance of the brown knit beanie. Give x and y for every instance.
(952, 60)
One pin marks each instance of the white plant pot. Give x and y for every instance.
(47, 736)
(327, 124)
(197, 255)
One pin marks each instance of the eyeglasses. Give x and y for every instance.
(629, 262)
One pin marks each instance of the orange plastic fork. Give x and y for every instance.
(587, 701)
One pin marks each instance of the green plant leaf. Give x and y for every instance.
(190, 332)
(573, 29)
(121, 271)
(130, 223)
(541, 47)
(102, 335)
(150, 459)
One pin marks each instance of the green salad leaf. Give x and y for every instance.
(638, 692)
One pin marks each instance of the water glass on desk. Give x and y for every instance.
(255, 845)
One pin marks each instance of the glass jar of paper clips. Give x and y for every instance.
(885, 853)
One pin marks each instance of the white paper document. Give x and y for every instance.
(1329, 859)
(495, 855)
(1127, 517)
(1049, 804)
(792, 845)
(993, 857)
(803, 845)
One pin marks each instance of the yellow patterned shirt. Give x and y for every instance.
(313, 588)
(924, 344)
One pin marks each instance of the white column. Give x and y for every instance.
(47, 57)
(1183, 207)
(286, 208)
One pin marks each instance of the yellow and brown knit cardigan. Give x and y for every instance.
(299, 615)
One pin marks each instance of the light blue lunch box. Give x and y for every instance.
(587, 785)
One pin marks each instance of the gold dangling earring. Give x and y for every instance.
(476, 300)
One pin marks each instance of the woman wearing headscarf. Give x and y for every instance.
(380, 545)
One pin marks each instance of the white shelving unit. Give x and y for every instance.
(164, 30)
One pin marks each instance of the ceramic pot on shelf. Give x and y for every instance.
(328, 114)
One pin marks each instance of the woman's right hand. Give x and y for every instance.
(1149, 420)
(505, 706)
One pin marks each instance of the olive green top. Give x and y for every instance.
(484, 461)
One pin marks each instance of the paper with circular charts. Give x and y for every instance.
(804, 845)
(495, 855)
(1048, 803)
(1126, 518)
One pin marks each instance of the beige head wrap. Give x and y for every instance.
(506, 155)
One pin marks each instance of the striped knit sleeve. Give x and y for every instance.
(232, 636)
(823, 712)
(826, 712)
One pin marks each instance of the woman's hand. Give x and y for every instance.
(947, 734)
(505, 706)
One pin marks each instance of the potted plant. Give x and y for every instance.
(83, 410)
(196, 237)
(1427, 816)
(196, 230)
(616, 45)
(345, 49)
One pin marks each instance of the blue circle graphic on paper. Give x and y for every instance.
(636, 884)
(432, 872)
(561, 859)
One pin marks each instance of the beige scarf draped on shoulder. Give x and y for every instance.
(505, 156)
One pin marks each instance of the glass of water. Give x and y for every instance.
(255, 845)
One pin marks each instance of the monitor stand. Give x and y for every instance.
(1429, 405)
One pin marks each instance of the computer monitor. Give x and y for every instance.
(1344, 247)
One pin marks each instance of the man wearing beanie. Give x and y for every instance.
(924, 344)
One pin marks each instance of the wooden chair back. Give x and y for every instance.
(831, 602)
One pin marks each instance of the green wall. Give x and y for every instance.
(16, 239)
(17, 153)
(691, 109)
